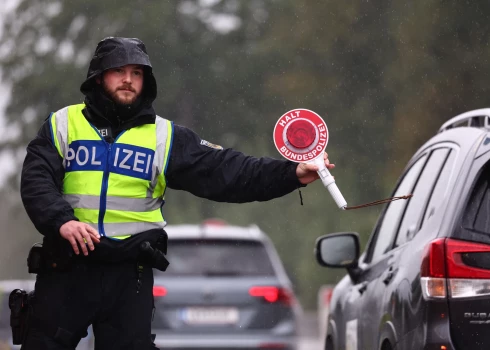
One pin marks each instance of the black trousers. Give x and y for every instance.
(106, 296)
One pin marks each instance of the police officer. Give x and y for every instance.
(93, 182)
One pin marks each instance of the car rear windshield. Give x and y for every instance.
(218, 258)
(477, 214)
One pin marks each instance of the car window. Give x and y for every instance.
(441, 189)
(218, 258)
(477, 213)
(392, 215)
(421, 193)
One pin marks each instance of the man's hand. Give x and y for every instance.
(307, 172)
(74, 231)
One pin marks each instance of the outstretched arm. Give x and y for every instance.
(226, 175)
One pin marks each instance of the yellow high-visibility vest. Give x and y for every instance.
(116, 188)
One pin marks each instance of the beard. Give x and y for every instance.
(113, 95)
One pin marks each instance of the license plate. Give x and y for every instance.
(209, 316)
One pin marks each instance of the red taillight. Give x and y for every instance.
(455, 266)
(327, 297)
(443, 270)
(433, 262)
(159, 291)
(433, 270)
(214, 222)
(272, 294)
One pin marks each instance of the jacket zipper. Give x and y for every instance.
(105, 183)
(103, 192)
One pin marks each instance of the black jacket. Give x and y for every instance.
(220, 175)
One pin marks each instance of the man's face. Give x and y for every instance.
(123, 84)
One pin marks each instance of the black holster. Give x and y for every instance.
(48, 257)
(35, 259)
(153, 251)
(161, 243)
(153, 256)
(19, 304)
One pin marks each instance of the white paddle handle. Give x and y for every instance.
(329, 182)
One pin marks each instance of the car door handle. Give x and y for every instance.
(362, 287)
(388, 275)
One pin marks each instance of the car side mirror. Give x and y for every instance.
(338, 250)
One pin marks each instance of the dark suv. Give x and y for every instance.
(423, 281)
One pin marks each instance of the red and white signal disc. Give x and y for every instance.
(300, 135)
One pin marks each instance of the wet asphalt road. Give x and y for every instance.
(309, 332)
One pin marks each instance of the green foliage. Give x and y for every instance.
(384, 75)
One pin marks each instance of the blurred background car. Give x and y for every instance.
(225, 288)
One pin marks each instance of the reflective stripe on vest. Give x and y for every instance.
(116, 188)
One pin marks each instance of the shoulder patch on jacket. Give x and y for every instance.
(210, 145)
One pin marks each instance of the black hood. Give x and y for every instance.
(115, 52)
